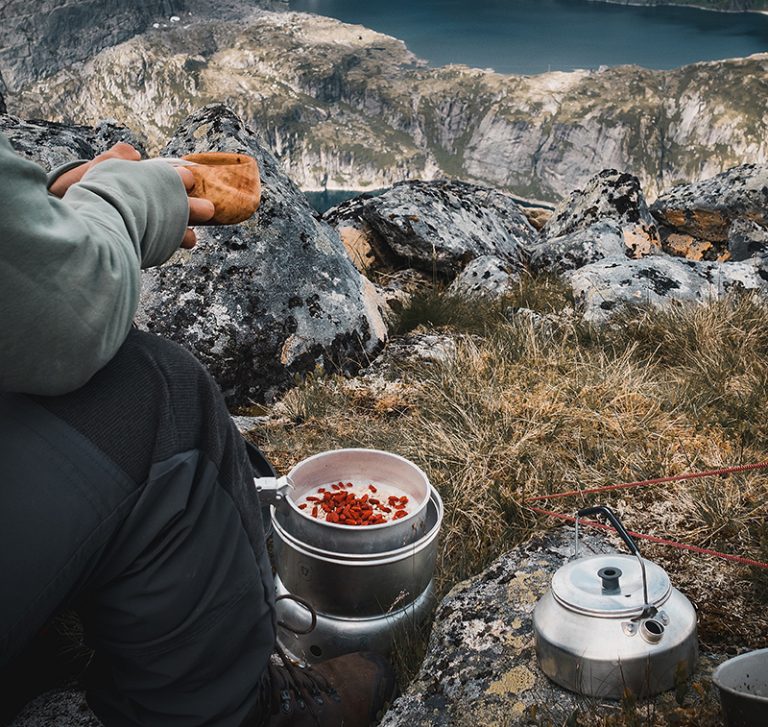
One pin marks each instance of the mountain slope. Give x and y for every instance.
(345, 107)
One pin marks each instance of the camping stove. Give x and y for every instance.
(362, 586)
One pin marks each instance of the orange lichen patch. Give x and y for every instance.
(688, 246)
(358, 248)
(675, 218)
(711, 225)
(639, 241)
(704, 224)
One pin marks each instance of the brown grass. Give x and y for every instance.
(526, 408)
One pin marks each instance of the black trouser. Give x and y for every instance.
(132, 500)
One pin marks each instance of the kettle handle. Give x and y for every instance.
(611, 517)
(648, 610)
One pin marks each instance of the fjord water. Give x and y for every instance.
(534, 36)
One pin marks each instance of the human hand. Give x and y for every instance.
(200, 210)
(121, 150)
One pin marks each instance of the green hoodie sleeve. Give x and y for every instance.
(70, 268)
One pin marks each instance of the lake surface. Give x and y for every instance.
(534, 36)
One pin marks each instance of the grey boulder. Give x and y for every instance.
(582, 246)
(439, 226)
(266, 300)
(481, 665)
(485, 276)
(609, 195)
(603, 288)
(51, 144)
(707, 209)
(747, 239)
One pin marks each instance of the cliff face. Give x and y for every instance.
(36, 38)
(345, 107)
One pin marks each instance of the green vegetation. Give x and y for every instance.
(435, 308)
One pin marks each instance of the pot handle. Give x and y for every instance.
(611, 517)
(273, 490)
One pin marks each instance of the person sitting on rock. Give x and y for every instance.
(126, 489)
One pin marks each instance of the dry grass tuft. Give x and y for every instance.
(434, 307)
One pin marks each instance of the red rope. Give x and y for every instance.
(654, 539)
(657, 481)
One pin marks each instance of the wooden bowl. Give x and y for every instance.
(230, 181)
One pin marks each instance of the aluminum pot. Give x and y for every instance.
(359, 587)
(613, 623)
(743, 685)
(359, 466)
(337, 635)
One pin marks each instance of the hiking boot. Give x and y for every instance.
(348, 691)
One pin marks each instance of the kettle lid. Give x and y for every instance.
(609, 585)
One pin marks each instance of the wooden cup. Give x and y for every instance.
(230, 181)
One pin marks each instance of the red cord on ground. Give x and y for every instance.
(657, 481)
(655, 539)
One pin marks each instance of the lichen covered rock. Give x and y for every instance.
(603, 239)
(603, 288)
(481, 665)
(747, 239)
(609, 195)
(51, 144)
(707, 208)
(439, 227)
(487, 275)
(265, 300)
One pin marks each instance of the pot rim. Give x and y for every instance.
(435, 499)
(717, 676)
(358, 528)
(376, 559)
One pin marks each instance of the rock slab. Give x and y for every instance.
(605, 287)
(50, 144)
(481, 658)
(481, 665)
(582, 246)
(609, 195)
(439, 227)
(707, 209)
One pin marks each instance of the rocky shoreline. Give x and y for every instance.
(718, 6)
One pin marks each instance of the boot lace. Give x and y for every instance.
(308, 687)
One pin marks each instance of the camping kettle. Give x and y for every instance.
(613, 624)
